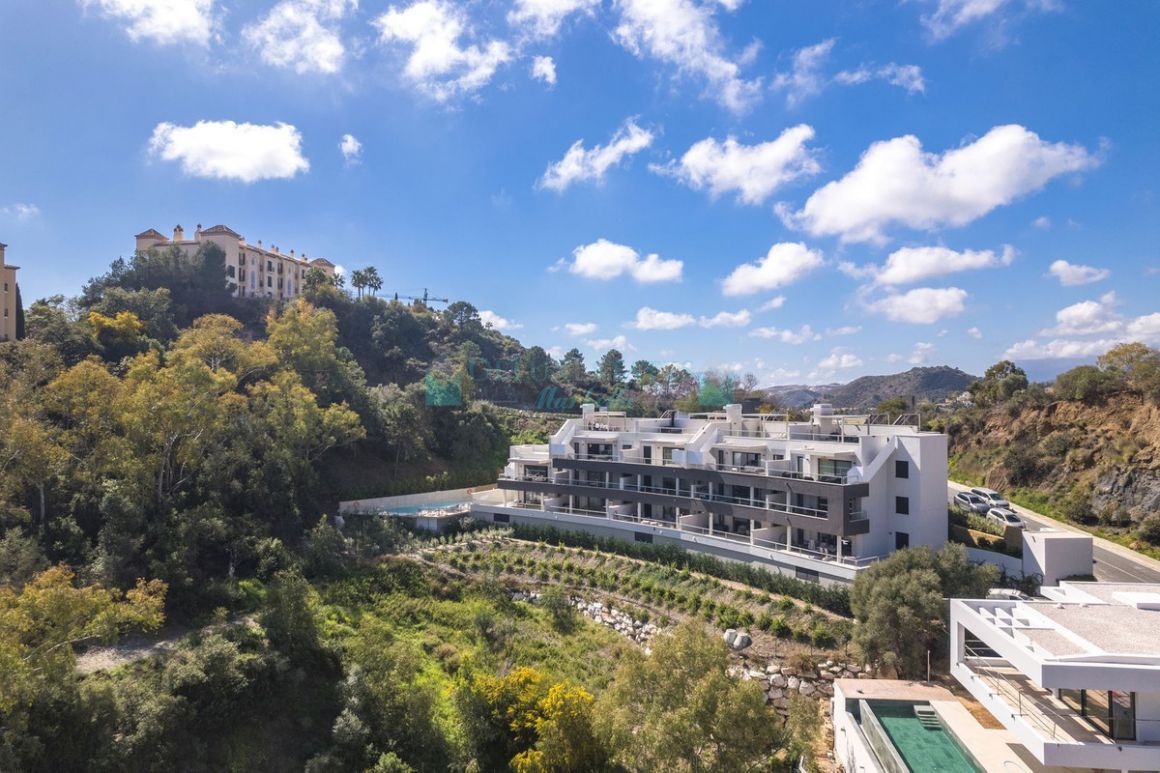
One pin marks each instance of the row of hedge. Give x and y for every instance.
(834, 599)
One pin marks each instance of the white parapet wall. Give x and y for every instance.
(1057, 555)
(384, 504)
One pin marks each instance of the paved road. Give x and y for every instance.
(1113, 563)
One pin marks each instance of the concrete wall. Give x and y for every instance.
(1056, 555)
(380, 504)
(1011, 564)
(770, 560)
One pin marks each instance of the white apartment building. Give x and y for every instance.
(817, 499)
(252, 270)
(1075, 677)
(8, 306)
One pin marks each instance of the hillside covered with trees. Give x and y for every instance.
(1085, 448)
(168, 455)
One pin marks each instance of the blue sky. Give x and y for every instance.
(829, 190)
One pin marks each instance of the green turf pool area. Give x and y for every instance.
(924, 745)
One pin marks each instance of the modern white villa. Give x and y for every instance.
(817, 499)
(1075, 678)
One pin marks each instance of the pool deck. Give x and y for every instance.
(993, 749)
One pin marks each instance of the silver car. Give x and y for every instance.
(971, 503)
(992, 497)
(1006, 517)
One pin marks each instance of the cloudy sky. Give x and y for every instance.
(807, 191)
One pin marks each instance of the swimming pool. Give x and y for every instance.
(922, 742)
(415, 509)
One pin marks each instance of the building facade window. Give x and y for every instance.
(1112, 711)
(902, 505)
(269, 281)
(230, 271)
(901, 469)
(834, 470)
(901, 540)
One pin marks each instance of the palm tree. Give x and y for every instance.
(358, 280)
(372, 279)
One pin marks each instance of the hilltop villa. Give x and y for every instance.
(817, 499)
(253, 271)
(8, 310)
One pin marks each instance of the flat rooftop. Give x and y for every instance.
(1084, 619)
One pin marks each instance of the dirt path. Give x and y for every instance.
(129, 649)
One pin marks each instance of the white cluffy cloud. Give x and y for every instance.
(845, 330)
(807, 76)
(905, 76)
(949, 16)
(440, 64)
(580, 165)
(302, 34)
(974, 332)
(684, 34)
(351, 149)
(754, 172)
(580, 328)
(776, 302)
(922, 350)
(225, 150)
(20, 212)
(542, 18)
(544, 69)
(785, 263)
(915, 264)
(727, 319)
(616, 342)
(838, 360)
(603, 259)
(896, 182)
(648, 318)
(491, 319)
(162, 21)
(786, 336)
(1072, 274)
(921, 306)
(1087, 318)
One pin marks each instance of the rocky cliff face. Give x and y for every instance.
(1094, 463)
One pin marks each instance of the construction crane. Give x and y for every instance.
(427, 299)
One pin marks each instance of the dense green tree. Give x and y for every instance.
(572, 368)
(679, 709)
(1089, 383)
(900, 604)
(611, 368)
(288, 616)
(644, 373)
(1002, 381)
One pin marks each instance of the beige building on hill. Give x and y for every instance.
(253, 271)
(7, 298)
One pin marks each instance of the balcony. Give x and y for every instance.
(771, 469)
(1051, 730)
(769, 550)
(834, 522)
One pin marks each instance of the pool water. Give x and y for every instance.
(921, 747)
(413, 509)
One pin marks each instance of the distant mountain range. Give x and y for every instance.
(934, 383)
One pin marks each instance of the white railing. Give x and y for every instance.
(1027, 707)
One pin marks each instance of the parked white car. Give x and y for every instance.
(992, 497)
(970, 503)
(1006, 517)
